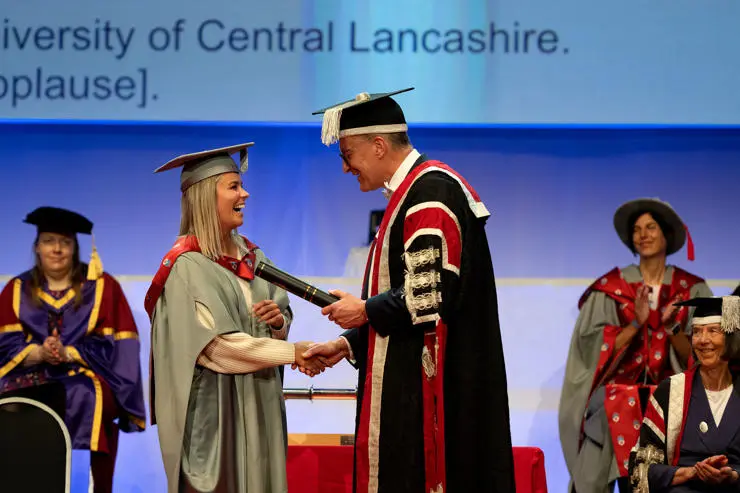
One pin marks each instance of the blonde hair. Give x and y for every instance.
(199, 217)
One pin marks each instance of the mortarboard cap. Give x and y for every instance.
(56, 220)
(198, 166)
(66, 222)
(368, 113)
(724, 310)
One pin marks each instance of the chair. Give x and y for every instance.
(36, 449)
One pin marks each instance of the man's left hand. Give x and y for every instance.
(348, 312)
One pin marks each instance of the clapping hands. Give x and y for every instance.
(642, 304)
(671, 311)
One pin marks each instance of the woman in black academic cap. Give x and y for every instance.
(689, 440)
(67, 325)
(628, 338)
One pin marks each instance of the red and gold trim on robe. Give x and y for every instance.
(10, 308)
(429, 218)
(619, 371)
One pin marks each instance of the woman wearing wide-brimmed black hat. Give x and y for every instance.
(627, 339)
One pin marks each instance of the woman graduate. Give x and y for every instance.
(218, 339)
(690, 440)
(627, 339)
(67, 325)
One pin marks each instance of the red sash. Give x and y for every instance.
(243, 268)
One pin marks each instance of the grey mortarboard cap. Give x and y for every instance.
(198, 166)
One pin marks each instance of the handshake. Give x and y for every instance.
(312, 358)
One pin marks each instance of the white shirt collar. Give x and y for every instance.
(401, 172)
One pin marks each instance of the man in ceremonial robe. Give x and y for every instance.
(64, 322)
(628, 337)
(432, 407)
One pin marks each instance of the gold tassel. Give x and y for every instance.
(95, 267)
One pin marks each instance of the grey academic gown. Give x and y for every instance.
(588, 450)
(218, 433)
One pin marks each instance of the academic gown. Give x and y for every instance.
(219, 433)
(101, 336)
(600, 404)
(671, 436)
(432, 407)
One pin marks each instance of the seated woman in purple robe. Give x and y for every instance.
(690, 436)
(66, 325)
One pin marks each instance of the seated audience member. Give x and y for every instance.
(689, 440)
(68, 337)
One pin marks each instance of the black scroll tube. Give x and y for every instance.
(294, 285)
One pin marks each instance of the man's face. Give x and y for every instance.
(361, 157)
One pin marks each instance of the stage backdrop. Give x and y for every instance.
(473, 61)
(552, 193)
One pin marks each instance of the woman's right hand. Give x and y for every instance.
(642, 305)
(310, 366)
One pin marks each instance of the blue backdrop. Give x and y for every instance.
(551, 191)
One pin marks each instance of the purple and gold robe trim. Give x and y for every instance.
(53, 302)
(99, 285)
(17, 297)
(126, 335)
(75, 354)
(11, 328)
(90, 331)
(16, 360)
(98, 413)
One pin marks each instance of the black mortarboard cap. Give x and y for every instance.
(367, 113)
(724, 310)
(56, 220)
